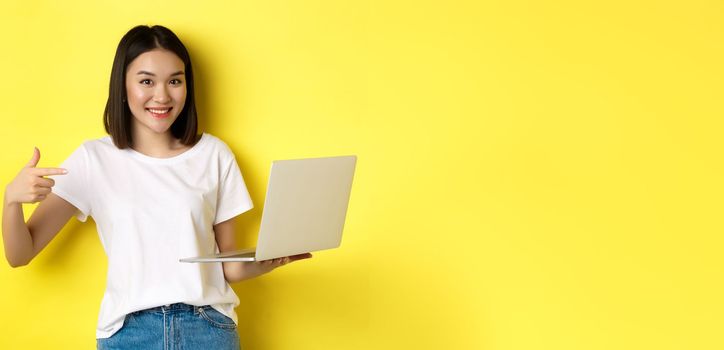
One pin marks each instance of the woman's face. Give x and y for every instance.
(156, 89)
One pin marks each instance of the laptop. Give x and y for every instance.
(304, 209)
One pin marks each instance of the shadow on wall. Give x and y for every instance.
(54, 258)
(320, 300)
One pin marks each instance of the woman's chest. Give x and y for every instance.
(157, 192)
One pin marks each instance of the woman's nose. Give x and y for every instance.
(161, 95)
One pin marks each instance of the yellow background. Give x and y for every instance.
(531, 174)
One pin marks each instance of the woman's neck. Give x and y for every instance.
(156, 145)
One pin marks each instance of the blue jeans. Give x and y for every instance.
(174, 327)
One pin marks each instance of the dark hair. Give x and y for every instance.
(117, 115)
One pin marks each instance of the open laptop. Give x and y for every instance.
(304, 209)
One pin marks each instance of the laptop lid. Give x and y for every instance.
(305, 206)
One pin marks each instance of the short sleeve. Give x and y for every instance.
(233, 197)
(74, 186)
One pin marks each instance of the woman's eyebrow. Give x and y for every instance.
(153, 75)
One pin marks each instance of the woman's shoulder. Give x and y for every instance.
(219, 144)
(211, 138)
(95, 143)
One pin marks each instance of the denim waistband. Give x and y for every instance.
(177, 307)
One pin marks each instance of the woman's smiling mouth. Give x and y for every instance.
(160, 112)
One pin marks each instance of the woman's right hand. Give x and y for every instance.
(29, 186)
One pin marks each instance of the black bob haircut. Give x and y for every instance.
(117, 116)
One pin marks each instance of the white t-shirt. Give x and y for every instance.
(151, 212)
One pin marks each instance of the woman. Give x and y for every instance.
(158, 192)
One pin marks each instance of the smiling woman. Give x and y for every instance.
(155, 99)
(157, 192)
(152, 70)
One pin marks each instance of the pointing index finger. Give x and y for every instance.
(49, 171)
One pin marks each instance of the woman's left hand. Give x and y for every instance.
(272, 264)
(238, 271)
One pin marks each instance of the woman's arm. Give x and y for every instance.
(235, 271)
(16, 237)
(22, 242)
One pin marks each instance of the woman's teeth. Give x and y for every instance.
(159, 111)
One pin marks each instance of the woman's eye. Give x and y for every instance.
(145, 81)
(175, 81)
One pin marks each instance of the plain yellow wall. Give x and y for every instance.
(531, 174)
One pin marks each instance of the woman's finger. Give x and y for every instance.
(48, 171)
(43, 182)
(42, 190)
(300, 256)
